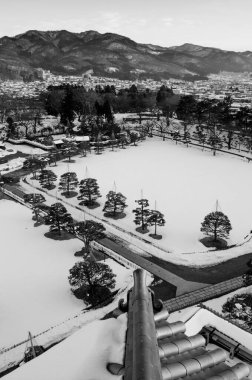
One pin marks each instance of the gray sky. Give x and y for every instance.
(220, 23)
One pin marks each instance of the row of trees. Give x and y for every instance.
(90, 280)
(216, 121)
(215, 224)
(89, 192)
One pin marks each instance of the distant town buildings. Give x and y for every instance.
(218, 86)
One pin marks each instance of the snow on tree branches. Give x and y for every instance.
(69, 148)
(217, 225)
(239, 308)
(89, 191)
(115, 204)
(155, 219)
(58, 218)
(142, 214)
(46, 179)
(89, 231)
(91, 281)
(34, 164)
(35, 199)
(68, 182)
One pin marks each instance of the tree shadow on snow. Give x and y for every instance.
(54, 235)
(115, 217)
(71, 194)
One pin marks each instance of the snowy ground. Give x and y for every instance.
(6, 152)
(10, 166)
(184, 182)
(84, 355)
(24, 148)
(34, 289)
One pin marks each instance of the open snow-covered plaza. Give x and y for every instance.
(185, 183)
(34, 289)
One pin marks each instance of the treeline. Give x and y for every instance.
(213, 112)
(69, 101)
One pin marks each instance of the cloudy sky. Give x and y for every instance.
(220, 23)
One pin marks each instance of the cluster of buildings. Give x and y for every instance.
(218, 86)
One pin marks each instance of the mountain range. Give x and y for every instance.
(111, 55)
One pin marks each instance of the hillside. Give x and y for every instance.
(109, 54)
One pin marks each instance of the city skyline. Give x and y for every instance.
(224, 25)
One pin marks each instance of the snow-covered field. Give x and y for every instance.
(34, 289)
(83, 356)
(184, 182)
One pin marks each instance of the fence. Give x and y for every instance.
(127, 263)
(12, 355)
(164, 135)
(15, 197)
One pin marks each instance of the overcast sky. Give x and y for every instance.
(225, 24)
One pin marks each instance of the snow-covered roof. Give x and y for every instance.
(82, 138)
(58, 142)
(83, 356)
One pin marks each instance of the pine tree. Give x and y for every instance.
(89, 191)
(115, 204)
(156, 218)
(107, 111)
(217, 225)
(200, 135)
(89, 231)
(134, 136)
(53, 156)
(123, 140)
(69, 148)
(113, 140)
(47, 178)
(98, 145)
(68, 182)
(92, 281)
(142, 213)
(35, 199)
(187, 138)
(215, 141)
(34, 164)
(176, 136)
(58, 218)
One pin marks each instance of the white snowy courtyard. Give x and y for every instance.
(184, 182)
(34, 289)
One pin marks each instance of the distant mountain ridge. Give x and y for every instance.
(66, 53)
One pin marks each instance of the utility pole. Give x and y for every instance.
(32, 347)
